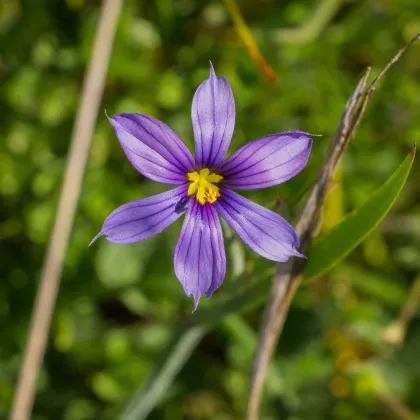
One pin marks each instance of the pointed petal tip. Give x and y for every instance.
(96, 238)
(112, 119)
(116, 118)
(300, 132)
(212, 72)
(296, 253)
(196, 302)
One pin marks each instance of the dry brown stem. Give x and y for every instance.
(53, 263)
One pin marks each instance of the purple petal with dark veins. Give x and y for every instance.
(153, 148)
(267, 161)
(141, 219)
(200, 260)
(264, 231)
(213, 117)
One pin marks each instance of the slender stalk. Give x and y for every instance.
(53, 263)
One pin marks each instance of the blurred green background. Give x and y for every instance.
(119, 305)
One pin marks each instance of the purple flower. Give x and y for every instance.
(204, 187)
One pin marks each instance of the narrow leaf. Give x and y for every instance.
(171, 360)
(334, 245)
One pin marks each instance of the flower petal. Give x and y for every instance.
(264, 231)
(213, 117)
(200, 260)
(153, 148)
(267, 161)
(141, 219)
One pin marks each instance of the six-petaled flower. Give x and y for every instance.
(205, 187)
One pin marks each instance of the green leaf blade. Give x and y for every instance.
(334, 245)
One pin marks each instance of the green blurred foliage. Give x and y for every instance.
(120, 305)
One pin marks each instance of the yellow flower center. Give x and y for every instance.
(202, 184)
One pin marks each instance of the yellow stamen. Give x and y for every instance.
(202, 184)
(193, 187)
